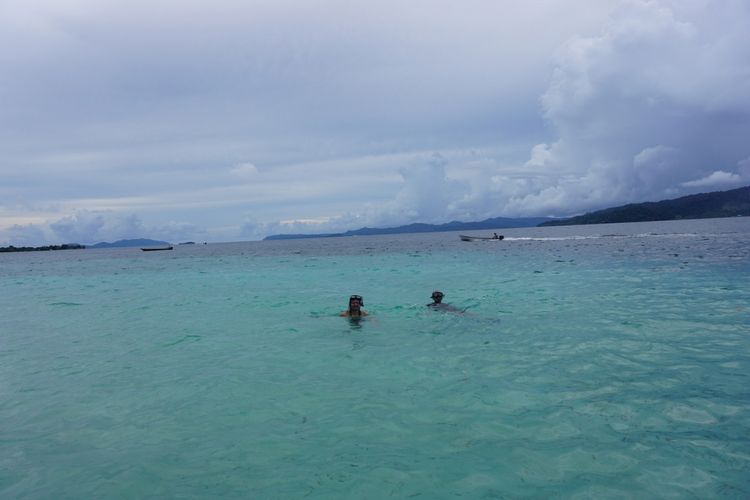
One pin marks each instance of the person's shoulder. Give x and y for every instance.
(346, 314)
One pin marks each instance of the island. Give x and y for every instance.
(139, 242)
(732, 203)
(67, 246)
(492, 223)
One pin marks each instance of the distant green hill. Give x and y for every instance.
(494, 223)
(697, 206)
(140, 242)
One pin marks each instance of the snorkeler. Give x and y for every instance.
(355, 307)
(437, 303)
(437, 298)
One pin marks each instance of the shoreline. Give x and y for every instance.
(46, 248)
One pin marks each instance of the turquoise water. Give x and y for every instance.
(592, 362)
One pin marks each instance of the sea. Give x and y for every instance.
(602, 361)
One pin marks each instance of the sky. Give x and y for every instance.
(231, 120)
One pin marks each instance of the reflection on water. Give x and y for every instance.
(355, 323)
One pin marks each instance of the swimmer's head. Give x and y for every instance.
(437, 296)
(355, 302)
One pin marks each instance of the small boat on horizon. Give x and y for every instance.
(497, 237)
(156, 249)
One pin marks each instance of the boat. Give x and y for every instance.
(156, 249)
(480, 238)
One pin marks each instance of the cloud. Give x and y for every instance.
(258, 230)
(27, 235)
(743, 167)
(142, 106)
(427, 193)
(89, 227)
(125, 118)
(716, 179)
(244, 171)
(644, 110)
(177, 231)
(653, 167)
(654, 102)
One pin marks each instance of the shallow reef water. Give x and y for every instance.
(587, 362)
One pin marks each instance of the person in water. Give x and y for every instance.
(437, 299)
(437, 303)
(355, 307)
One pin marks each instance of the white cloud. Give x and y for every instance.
(26, 235)
(90, 227)
(657, 100)
(716, 179)
(258, 230)
(541, 156)
(244, 171)
(427, 193)
(87, 227)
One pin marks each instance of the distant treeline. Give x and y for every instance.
(68, 246)
(733, 203)
(494, 223)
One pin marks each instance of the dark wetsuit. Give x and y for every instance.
(439, 306)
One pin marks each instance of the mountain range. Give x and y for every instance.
(494, 223)
(732, 203)
(139, 242)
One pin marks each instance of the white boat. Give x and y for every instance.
(480, 238)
